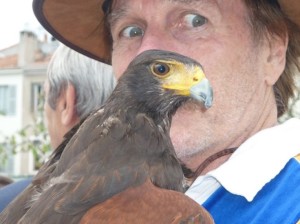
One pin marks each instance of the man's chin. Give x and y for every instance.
(186, 126)
(187, 110)
(187, 113)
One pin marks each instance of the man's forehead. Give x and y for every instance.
(120, 7)
(120, 3)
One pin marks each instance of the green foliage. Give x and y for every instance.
(294, 107)
(33, 138)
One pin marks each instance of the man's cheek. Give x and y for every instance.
(120, 65)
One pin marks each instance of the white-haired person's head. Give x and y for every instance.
(75, 86)
(93, 81)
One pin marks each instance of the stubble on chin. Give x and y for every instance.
(187, 133)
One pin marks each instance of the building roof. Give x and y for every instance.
(29, 52)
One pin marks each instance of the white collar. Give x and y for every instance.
(258, 160)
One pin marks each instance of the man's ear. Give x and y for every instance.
(69, 115)
(276, 58)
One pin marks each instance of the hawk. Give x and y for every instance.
(119, 165)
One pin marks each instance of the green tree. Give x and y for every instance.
(294, 106)
(33, 138)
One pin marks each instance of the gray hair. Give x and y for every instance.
(93, 81)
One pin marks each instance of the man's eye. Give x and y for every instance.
(132, 31)
(194, 20)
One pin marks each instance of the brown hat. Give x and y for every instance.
(80, 24)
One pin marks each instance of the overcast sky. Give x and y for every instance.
(16, 15)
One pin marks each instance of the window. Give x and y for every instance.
(37, 98)
(8, 99)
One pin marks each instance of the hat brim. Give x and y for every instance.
(80, 24)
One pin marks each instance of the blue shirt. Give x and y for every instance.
(277, 202)
(259, 183)
(9, 192)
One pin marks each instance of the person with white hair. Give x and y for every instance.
(75, 86)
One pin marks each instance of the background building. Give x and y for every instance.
(22, 74)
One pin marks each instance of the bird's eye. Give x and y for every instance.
(160, 69)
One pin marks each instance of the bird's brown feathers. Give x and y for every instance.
(166, 207)
(110, 164)
(117, 166)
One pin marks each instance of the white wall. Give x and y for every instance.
(10, 124)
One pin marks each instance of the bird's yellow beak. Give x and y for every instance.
(188, 80)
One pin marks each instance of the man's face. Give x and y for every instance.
(217, 34)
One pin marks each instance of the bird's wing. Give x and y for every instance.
(147, 204)
(102, 159)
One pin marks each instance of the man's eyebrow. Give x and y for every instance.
(121, 12)
(184, 1)
(116, 15)
(190, 1)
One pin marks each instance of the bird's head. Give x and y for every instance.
(158, 82)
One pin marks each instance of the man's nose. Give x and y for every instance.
(157, 39)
